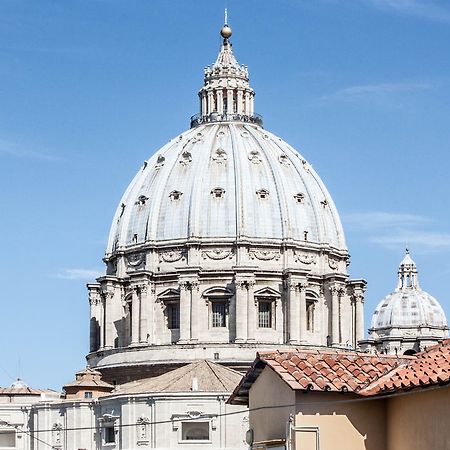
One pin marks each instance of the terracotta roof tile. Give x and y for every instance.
(427, 368)
(349, 371)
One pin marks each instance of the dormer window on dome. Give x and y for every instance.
(226, 95)
(175, 195)
(262, 193)
(218, 192)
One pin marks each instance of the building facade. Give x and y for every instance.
(225, 240)
(182, 409)
(336, 400)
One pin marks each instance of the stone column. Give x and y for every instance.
(150, 304)
(210, 102)
(204, 104)
(335, 319)
(294, 312)
(251, 314)
(194, 313)
(302, 310)
(95, 318)
(185, 311)
(143, 313)
(239, 102)
(219, 101)
(241, 310)
(230, 101)
(108, 295)
(135, 310)
(247, 104)
(359, 317)
(278, 309)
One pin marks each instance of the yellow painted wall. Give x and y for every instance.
(359, 425)
(419, 421)
(270, 390)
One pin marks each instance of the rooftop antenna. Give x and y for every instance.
(226, 16)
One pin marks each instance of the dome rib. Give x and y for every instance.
(280, 192)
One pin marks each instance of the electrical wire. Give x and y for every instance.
(18, 430)
(232, 413)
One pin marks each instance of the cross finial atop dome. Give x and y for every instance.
(226, 95)
(226, 31)
(407, 273)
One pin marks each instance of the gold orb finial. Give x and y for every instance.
(226, 32)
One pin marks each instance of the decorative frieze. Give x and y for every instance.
(135, 261)
(172, 256)
(305, 258)
(218, 254)
(265, 255)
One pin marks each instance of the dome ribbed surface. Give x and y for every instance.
(407, 308)
(226, 181)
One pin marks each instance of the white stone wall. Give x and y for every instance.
(147, 421)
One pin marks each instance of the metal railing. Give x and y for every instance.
(198, 119)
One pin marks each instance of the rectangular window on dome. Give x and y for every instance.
(173, 316)
(219, 314)
(7, 439)
(265, 314)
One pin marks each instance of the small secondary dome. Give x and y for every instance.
(408, 318)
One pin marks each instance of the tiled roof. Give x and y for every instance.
(88, 378)
(329, 370)
(341, 371)
(209, 377)
(430, 367)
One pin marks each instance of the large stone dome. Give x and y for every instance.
(408, 319)
(228, 181)
(225, 241)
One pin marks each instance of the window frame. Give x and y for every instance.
(107, 429)
(310, 312)
(213, 297)
(195, 441)
(9, 431)
(271, 296)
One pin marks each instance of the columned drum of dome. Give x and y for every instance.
(225, 241)
(408, 319)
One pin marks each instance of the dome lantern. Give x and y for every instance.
(226, 94)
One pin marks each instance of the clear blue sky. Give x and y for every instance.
(89, 89)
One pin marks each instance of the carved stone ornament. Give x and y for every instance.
(135, 260)
(265, 255)
(332, 263)
(94, 298)
(305, 258)
(188, 285)
(171, 256)
(107, 293)
(217, 254)
(194, 414)
(220, 156)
